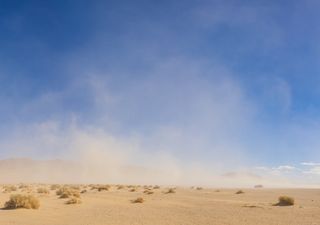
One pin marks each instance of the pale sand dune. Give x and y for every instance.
(185, 207)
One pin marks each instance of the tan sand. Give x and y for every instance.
(185, 207)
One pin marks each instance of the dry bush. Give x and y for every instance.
(55, 187)
(9, 188)
(285, 201)
(100, 187)
(171, 191)
(73, 200)
(199, 188)
(119, 187)
(83, 191)
(23, 186)
(104, 188)
(156, 187)
(138, 200)
(66, 192)
(240, 192)
(22, 201)
(43, 190)
(148, 192)
(132, 190)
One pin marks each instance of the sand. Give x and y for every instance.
(185, 207)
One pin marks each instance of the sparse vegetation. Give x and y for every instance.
(148, 192)
(199, 188)
(43, 190)
(240, 192)
(156, 187)
(171, 191)
(54, 187)
(22, 201)
(138, 200)
(66, 192)
(73, 200)
(285, 201)
(9, 188)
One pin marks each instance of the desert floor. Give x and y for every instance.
(185, 206)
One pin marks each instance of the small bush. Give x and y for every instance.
(83, 191)
(43, 191)
(148, 192)
(156, 187)
(22, 201)
(171, 191)
(138, 200)
(9, 188)
(119, 187)
(240, 192)
(73, 200)
(285, 201)
(66, 192)
(199, 188)
(54, 187)
(132, 190)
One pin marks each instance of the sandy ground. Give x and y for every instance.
(185, 207)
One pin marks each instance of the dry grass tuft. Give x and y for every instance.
(66, 192)
(156, 187)
(240, 192)
(73, 200)
(54, 187)
(199, 188)
(138, 200)
(9, 188)
(148, 192)
(132, 190)
(171, 191)
(285, 201)
(42, 190)
(22, 201)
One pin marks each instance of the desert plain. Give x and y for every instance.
(160, 205)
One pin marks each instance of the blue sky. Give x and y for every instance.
(210, 83)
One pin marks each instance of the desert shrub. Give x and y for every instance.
(119, 187)
(22, 201)
(132, 190)
(104, 188)
(42, 190)
(100, 187)
(199, 188)
(148, 192)
(285, 201)
(9, 188)
(23, 186)
(156, 187)
(240, 192)
(83, 191)
(138, 200)
(171, 191)
(54, 187)
(73, 200)
(66, 192)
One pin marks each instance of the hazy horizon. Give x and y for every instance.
(194, 92)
